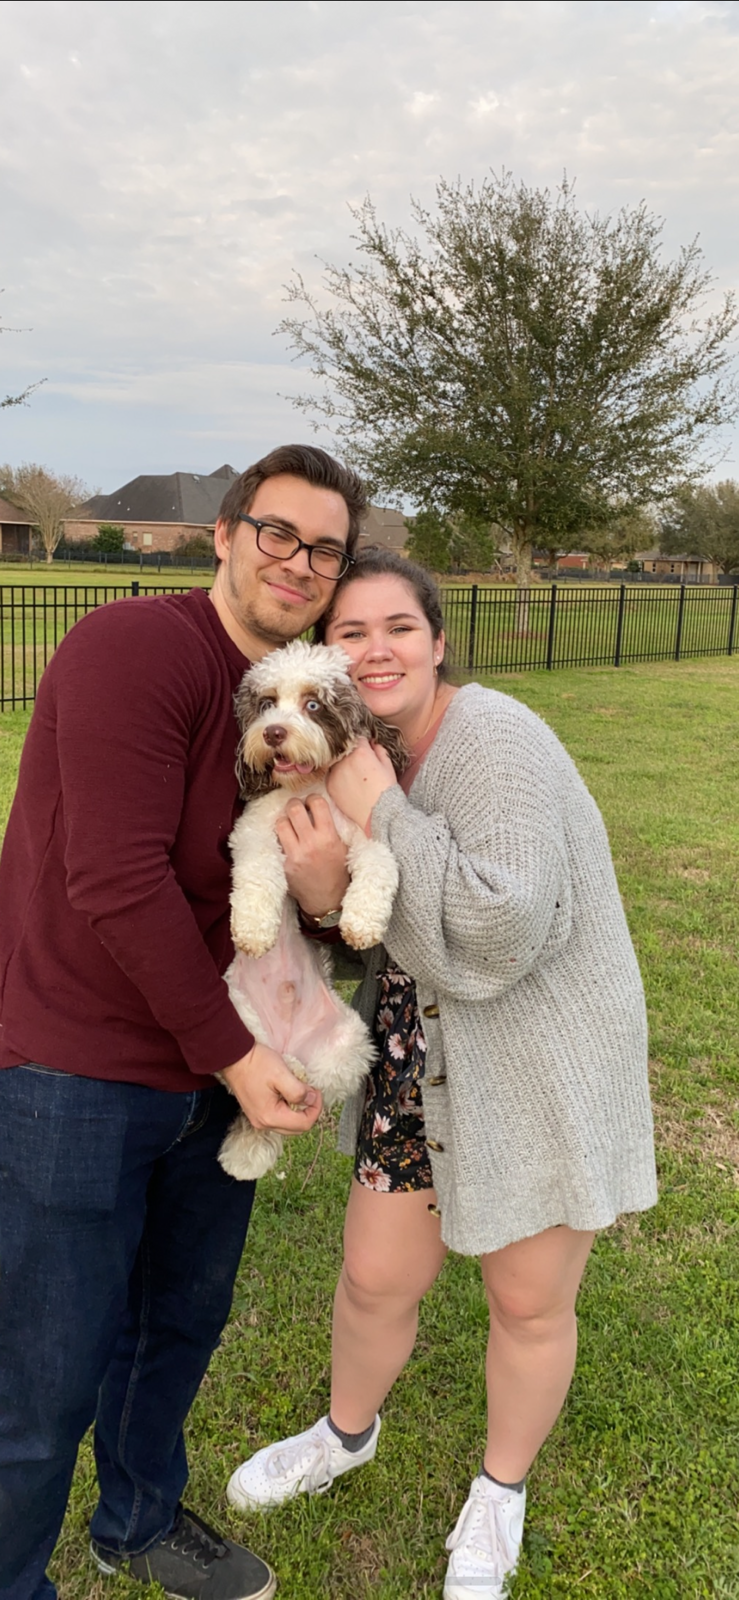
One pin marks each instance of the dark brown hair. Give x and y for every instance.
(374, 562)
(301, 461)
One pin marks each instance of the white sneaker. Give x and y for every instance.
(485, 1543)
(305, 1464)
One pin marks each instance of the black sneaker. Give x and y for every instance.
(195, 1563)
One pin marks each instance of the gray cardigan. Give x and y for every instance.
(509, 918)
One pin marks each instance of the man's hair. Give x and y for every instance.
(300, 461)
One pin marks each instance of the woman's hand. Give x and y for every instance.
(356, 782)
(315, 856)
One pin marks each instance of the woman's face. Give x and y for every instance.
(382, 626)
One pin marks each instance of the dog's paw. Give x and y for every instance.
(246, 1153)
(360, 932)
(253, 936)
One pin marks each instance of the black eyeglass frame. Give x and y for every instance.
(300, 544)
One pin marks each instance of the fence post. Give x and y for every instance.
(552, 621)
(134, 587)
(732, 619)
(473, 629)
(620, 626)
(679, 630)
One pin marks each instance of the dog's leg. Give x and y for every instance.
(258, 879)
(368, 901)
(247, 1152)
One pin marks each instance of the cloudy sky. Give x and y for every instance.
(166, 164)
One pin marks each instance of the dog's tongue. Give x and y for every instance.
(301, 767)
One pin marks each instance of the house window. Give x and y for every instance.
(147, 538)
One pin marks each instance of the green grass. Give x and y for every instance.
(81, 573)
(636, 1494)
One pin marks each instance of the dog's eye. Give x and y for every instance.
(312, 705)
(265, 705)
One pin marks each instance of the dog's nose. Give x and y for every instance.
(274, 735)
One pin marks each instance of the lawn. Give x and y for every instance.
(637, 1491)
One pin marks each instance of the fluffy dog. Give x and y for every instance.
(299, 713)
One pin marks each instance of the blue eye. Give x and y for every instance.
(312, 705)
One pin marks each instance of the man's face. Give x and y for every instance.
(270, 599)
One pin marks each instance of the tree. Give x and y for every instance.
(704, 521)
(18, 399)
(453, 543)
(109, 539)
(45, 497)
(518, 360)
(194, 547)
(619, 539)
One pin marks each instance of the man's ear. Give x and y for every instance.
(222, 539)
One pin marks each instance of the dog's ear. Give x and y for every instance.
(391, 740)
(246, 701)
(246, 705)
(251, 784)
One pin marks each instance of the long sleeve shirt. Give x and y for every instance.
(115, 872)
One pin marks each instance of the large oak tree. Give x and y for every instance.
(519, 360)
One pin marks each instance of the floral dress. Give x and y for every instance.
(391, 1149)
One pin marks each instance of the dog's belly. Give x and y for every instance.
(283, 997)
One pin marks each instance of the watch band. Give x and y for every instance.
(330, 919)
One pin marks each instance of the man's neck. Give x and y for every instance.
(251, 645)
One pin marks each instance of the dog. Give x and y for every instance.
(298, 713)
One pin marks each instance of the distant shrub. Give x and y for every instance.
(196, 547)
(109, 539)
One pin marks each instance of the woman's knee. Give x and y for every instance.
(533, 1285)
(524, 1310)
(371, 1285)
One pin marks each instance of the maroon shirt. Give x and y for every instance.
(115, 872)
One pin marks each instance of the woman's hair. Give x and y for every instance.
(374, 562)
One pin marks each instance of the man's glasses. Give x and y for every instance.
(322, 559)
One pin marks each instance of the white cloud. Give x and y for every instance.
(165, 165)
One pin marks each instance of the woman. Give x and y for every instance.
(508, 1116)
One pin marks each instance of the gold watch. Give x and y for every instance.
(330, 919)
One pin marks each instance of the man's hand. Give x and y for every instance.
(315, 856)
(356, 782)
(267, 1090)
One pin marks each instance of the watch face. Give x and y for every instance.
(331, 919)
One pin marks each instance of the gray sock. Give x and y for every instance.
(517, 1487)
(352, 1441)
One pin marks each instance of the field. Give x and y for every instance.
(636, 1494)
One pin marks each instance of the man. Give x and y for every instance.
(120, 1234)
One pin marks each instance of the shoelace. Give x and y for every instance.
(316, 1453)
(192, 1537)
(477, 1527)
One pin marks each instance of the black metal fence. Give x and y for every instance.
(490, 630)
(33, 619)
(518, 630)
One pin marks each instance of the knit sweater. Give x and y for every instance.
(115, 872)
(509, 919)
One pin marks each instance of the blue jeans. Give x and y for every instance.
(120, 1239)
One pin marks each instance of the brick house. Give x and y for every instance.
(686, 568)
(155, 512)
(15, 530)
